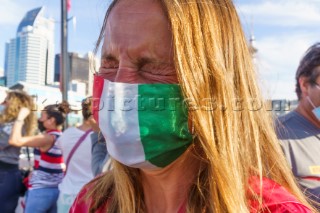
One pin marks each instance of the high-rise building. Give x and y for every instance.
(6, 59)
(1, 72)
(80, 69)
(30, 55)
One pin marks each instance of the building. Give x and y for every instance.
(252, 45)
(1, 72)
(281, 106)
(3, 93)
(2, 77)
(6, 59)
(30, 55)
(80, 70)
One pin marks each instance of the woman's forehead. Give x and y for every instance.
(136, 23)
(137, 13)
(137, 7)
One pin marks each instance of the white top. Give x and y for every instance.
(79, 172)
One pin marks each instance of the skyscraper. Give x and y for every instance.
(30, 55)
(6, 59)
(81, 69)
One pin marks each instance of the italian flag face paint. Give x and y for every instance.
(145, 125)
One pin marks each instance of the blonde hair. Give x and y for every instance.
(213, 63)
(18, 99)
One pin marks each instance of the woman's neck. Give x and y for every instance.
(166, 190)
(53, 128)
(85, 126)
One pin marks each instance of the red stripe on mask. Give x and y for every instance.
(98, 83)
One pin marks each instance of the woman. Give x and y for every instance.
(78, 171)
(48, 172)
(9, 155)
(228, 159)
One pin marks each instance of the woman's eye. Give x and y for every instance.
(150, 72)
(109, 64)
(111, 67)
(108, 69)
(157, 69)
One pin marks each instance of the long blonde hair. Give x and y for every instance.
(18, 99)
(215, 71)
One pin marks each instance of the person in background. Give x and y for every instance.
(48, 172)
(299, 130)
(76, 146)
(100, 160)
(156, 56)
(10, 177)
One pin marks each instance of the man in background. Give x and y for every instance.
(299, 130)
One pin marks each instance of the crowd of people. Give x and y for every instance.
(132, 155)
(62, 159)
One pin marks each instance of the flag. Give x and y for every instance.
(68, 5)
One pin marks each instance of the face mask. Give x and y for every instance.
(41, 126)
(145, 125)
(316, 110)
(2, 108)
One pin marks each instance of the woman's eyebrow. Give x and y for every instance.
(145, 60)
(139, 60)
(109, 57)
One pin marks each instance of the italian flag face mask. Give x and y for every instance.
(145, 125)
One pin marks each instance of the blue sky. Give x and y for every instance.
(283, 29)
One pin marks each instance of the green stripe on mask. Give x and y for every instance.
(163, 122)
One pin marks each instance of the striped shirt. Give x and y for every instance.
(48, 170)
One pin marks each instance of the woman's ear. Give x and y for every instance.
(304, 85)
(52, 120)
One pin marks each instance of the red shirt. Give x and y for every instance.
(276, 199)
